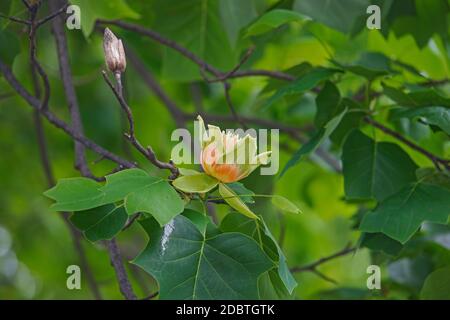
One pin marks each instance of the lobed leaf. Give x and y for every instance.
(102, 223)
(374, 170)
(190, 265)
(400, 215)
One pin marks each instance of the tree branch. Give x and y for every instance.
(146, 152)
(46, 165)
(26, 4)
(312, 266)
(14, 19)
(116, 262)
(151, 296)
(53, 15)
(54, 120)
(437, 161)
(204, 66)
(34, 62)
(230, 73)
(263, 73)
(69, 89)
(164, 41)
(237, 118)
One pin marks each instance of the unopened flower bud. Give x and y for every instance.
(114, 52)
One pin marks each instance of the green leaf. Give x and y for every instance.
(400, 215)
(158, 199)
(423, 98)
(75, 194)
(371, 65)
(198, 219)
(243, 193)
(235, 222)
(197, 183)
(271, 287)
(314, 142)
(380, 242)
(437, 116)
(188, 172)
(437, 285)
(305, 83)
(140, 192)
(284, 204)
(283, 270)
(189, 265)
(327, 102)
(341, 15)
(431, 175)
(196, 25)
(235, 201)
(374, 169)
(429, 18)
(351, 120)
(118, 185)
(258, 230)
(296, 71)
(100, 223)
(102, 9)
(271, 20)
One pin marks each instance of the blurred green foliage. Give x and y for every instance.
(411, 48)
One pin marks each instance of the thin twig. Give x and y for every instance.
(211, 209)
(151, 296)
(167, 42)
(14, 19)
(324, 276)
(131, 221)
(312, 266)
(52, 15)
(230, 74)
(263, 73)
(25, 2)
(437, 161)
(34, 62)
(146, 152)
(196, 94)
(227, 88)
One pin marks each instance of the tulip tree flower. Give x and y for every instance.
(228, 157)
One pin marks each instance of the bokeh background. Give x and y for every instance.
(35, 244)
